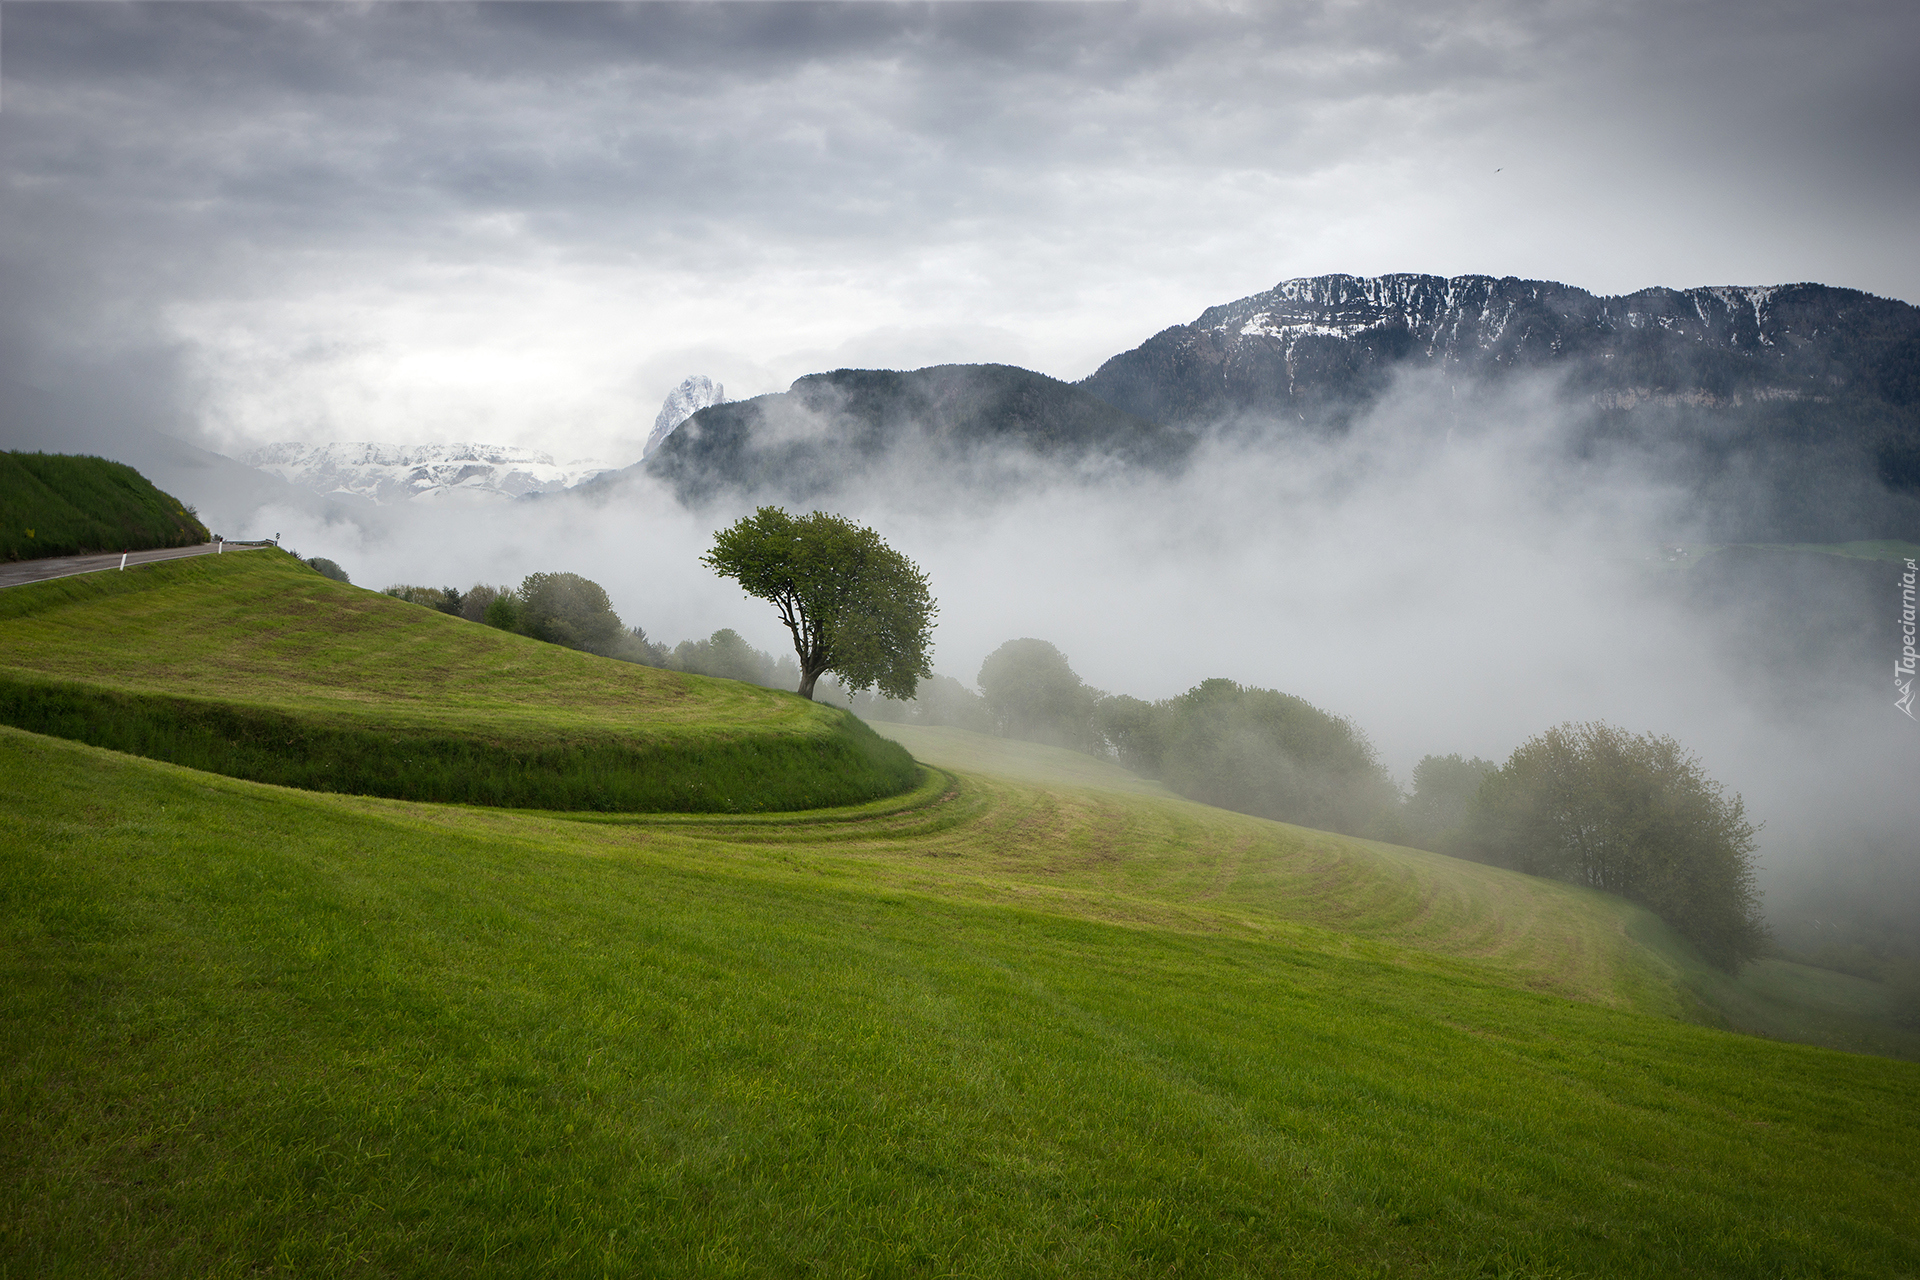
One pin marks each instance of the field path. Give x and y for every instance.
(17, 572)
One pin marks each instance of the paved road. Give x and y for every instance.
(15, 572)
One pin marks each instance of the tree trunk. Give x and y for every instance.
(807, 679)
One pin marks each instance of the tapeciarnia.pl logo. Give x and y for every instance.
(1903, 669)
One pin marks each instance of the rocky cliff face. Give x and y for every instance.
(690, 397)
(984, 429)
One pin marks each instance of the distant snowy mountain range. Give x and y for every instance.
(390, 473)
(1789, 412)
(395, 473)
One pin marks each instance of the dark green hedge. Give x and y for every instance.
(722, 774)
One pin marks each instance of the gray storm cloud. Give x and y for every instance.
(509, 221)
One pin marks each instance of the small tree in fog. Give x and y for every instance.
(725, 654)
(1264, 752)
(1033, 693)
(648, 653)
(474, 601)
(1443, 788)
(1131, 729)
(502, 611)
(567, 609)
(942, 700)
(854, 605)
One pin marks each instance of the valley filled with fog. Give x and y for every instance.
(1442, 573)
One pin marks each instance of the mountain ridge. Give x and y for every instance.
(1320, 343)
(989, 423)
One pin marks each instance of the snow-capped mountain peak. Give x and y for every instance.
(690, 397)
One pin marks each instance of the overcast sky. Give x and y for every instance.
(524, 224)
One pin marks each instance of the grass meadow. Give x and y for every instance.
(986, 1028)
(1030, 1016)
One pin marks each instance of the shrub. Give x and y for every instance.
(425, 597)
(1032, 692)
(725, 654)
(329, 569)
(1268, 753)
(503, 611)
(1443, 791)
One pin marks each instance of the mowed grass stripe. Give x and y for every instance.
(1606, 951)
(250, 1029)
(1169, 863)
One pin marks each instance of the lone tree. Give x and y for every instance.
(856, 607)
(1633, 815)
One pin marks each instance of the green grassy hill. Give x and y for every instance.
(60, 505)
(1030, 1017)
(259, 667)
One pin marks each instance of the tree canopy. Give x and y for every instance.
(1443, 791)
(1269, 753)
(854, 605)
(1033, 693)
(567, 609)
(1633, 815)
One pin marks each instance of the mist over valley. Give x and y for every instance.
(1456, 512)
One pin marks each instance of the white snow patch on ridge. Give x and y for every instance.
(1263, 325)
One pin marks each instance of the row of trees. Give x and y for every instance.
(1253, 750)
(1633, 814)
(857, 609)
(560, 608)
(567, 609)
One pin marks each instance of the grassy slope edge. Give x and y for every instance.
(986, 1028)
(257, 667)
